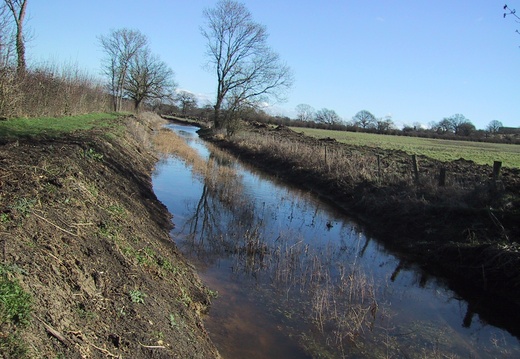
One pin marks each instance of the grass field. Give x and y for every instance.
(443, 150)
(54, 126)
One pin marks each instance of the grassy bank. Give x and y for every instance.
(20, 128)
(466, 229)
(87, 267)
(443, 150)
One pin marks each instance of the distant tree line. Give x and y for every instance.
(455, 127)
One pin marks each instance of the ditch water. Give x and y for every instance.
(298, 279)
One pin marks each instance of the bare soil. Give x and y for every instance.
(84, 234)
(468, 233)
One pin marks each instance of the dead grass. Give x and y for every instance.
(340, 307)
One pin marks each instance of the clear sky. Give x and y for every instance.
(416, 60)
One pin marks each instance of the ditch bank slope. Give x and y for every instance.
(467, 232)
(83, 233)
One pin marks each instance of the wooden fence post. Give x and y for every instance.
(379, 167)
(415, 168)
(442, 177)
(326, 164)
(496, 174)
(496, 169)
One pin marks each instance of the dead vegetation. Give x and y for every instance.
(466, 229)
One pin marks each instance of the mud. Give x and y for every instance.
(84, 234)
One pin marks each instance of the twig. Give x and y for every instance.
(55, 225)
(152, 346)
(104, 351)
(54, 332)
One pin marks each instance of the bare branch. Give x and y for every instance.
(149, 78)
(18, 10)
(120, 47)
(247, 70)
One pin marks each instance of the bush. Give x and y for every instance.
(50, 91)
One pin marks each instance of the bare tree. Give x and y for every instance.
(5, 32)
(149, 78)
(120, 47)
(328, 117)
(508, 11)
(247, 70)
(385, 124)
(494, 126)
(186, 101)
(305, 112)
(18, 9)
(365, 119)
(457, 124)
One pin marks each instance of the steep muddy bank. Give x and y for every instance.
(83, 233)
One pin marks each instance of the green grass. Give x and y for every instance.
(54, 126)
(443, 150)
(15, 312)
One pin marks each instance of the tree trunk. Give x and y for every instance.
(20, 46)
(218, 123)
(19, 15)
(137, 105)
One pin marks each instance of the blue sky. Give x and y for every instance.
(418, 61)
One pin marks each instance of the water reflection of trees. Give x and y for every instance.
(313, 284)
(320, 280)
(222, 216)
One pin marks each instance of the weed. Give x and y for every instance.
(24, 205)
(137, 296)
(108, 230)
(4, 218)
(116, 210)
(158, 335)
(92, 154)
(149, 252)
(173, 321)
(184, 298)
(165, 264)
(50, 188)
(84, 313)
(92, 189)
(213, 293)
(15, 304)
(15, 311)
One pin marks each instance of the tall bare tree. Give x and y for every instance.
(120, 47)
(384, 124)
(149, 78)
(18, 9)
(494, 126)
(305, 112)
(186, 101)
(4, 35)
(328, 117)
(365, 119)
(247, 70)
